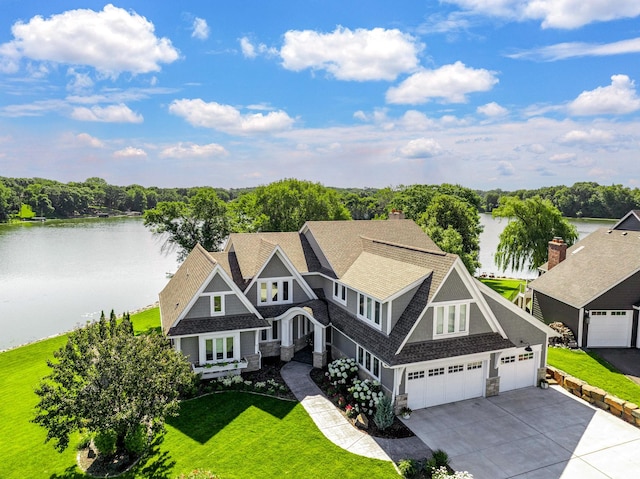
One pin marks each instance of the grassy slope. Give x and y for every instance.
(594, 370)
(236, 436)
(505, 286)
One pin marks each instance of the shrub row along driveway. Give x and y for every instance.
(531, 433)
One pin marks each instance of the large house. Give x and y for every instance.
(378, 291)
(593, 287)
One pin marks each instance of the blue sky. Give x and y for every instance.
(486, 93)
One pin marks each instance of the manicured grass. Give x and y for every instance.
(594, 370)
(236, 435)
(146, 321)
(505, 286)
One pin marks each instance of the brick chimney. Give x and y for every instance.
(396, 215)
(557, 252)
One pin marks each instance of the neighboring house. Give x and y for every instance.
(594, 286)
(378, 291)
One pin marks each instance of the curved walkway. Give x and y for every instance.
(338, 429)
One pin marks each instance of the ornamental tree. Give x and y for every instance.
(107, 379)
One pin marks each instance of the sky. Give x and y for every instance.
(488, 94)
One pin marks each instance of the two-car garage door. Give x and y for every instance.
(445, 383)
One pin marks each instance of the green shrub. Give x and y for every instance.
(441, 458)
(85, 440)
(106, 441)
(408, 468)
(430, 465)
(136, 440)
(384, 413)
(198, 474)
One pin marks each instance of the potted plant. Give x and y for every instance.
(544, 384)
(406, 412)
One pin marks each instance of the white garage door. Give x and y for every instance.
(430, 386)
(610, 329)
(517, 370)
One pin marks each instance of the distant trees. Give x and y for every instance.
(204, 219)
(533, 222)
(108, 382)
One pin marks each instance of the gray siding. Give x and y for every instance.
(477, 321)
(631, 223)
(386, 377)
(247, 343)
(299, 295)
(189, 347)
(550, 310)
(453, 289)
(275, 269)
(517, 329)
(493, 370)
(315, 281)
(217, 284)
(233, 305)
(201, 308)
(344, 344)
(399, 305)
(622, 296)
(252, 294)
(424, 329)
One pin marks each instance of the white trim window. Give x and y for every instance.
(368, 362)
(275, 291)
(217, 305)
(271, 334)
(215, 349)
(451, 320)
(340, 292)
(370, 310)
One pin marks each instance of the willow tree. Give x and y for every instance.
(533, 222)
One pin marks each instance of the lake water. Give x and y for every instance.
(59, 274)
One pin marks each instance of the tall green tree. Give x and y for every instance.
(454, 225)
(106, 379)
(203, 220)
(533, 222)
(5, 195)
(285, 206)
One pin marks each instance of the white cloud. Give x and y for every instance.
(228, 119)
(80, 82)
(421, 148)
(248, 50)
(561, 51)
(112, 41)
(110, 114)
(200, 29)
(567, 14)
(505, 168)
(191, 150)
(357, 55)
(592, 136)
(130, 152)
(451, 83)
(562, 158)
(492, 110)
(88, 140)
(618, 98)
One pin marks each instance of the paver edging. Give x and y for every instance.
(625, 410)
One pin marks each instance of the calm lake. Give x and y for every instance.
(59, 274)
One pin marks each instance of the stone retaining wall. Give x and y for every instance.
(596, 396)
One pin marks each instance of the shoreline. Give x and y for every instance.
(119, 316)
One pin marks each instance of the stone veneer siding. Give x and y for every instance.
(625, 410)
(270, 348)
(492, 387)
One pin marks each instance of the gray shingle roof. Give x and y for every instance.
(593, 265)
(190, 326)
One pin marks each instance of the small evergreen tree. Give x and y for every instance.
(384, 416)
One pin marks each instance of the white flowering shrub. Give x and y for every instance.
(342, 373)
(366, 395)
(442, 473)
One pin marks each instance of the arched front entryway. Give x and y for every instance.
(298, 329)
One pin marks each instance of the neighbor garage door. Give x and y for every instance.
(432, 385)
(517, 370)
(609, 329)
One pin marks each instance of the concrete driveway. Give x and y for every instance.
(531, 433)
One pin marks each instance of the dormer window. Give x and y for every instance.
(451, 319)
(369, 309)
(275, 291)
(340, 292)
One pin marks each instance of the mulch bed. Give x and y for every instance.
(97, 465)
(396, 431)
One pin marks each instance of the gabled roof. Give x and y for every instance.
(189, 278)
(593, 265)
(630, 221)
(341, 241)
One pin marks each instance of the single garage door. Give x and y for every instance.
(432, 385)
(517, 370)
(609, 329)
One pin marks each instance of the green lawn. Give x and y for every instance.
(237, 435)
(594, 370)
(507, 287)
